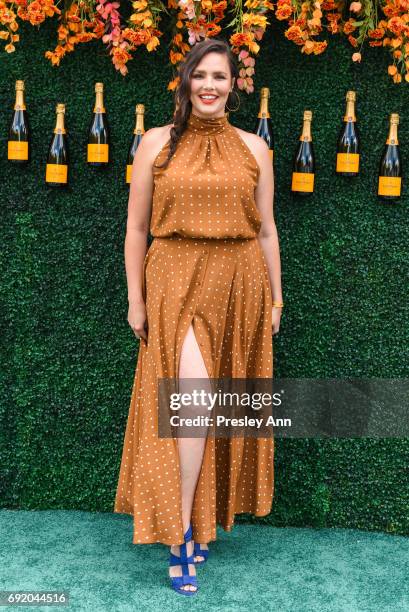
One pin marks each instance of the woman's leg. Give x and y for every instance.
(190, 449)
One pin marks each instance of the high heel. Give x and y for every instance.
(184, 560)
(199, 552)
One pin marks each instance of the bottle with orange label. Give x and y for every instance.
(138, 133)
(98, 135)
(302, 182)
(56, 174)
(390, 167)
(348, 146)
(264, 127)
(18, 145)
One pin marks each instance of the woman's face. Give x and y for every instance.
(211, 76)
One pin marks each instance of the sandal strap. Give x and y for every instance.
(183, 553)
(175, 560)
(184, 560)
(188, 534)
(187, 579)
(200, 552)
(179, 581)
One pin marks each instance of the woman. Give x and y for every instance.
(204, 302)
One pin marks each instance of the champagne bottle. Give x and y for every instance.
(18, 146)
(304, 161)
(57, 160)
(137, 137)
(264, 127)
(390, 167)
(98, 136)
(348, 147)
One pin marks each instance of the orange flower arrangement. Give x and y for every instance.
(74, 29)
(365, 22)
(305, 24)
(392, 32)
(381, 23)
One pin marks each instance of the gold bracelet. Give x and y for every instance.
(278, 304)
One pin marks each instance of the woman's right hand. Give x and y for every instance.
(137, 319)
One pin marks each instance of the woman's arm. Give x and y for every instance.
(268, 236)
(139, 213)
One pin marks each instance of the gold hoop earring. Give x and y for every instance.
(238, 97)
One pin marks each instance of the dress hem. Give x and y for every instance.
(227, 529)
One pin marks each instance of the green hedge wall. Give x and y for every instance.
(68, 355)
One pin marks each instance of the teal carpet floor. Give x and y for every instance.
(253, 568)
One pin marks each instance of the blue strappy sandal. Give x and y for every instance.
(178, 581)
(199, 552)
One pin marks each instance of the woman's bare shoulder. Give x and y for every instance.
(156, 138)
(257, 145)
(252, 140)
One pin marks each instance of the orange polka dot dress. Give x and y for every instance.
(205, 267)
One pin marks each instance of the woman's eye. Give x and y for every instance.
(198, 76)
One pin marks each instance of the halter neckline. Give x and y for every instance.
(207, 125)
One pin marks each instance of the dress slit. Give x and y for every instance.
(179, 346)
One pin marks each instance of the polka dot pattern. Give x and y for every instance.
(207, 189)
(217, 281)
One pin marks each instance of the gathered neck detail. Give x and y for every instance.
(208, 125)
(207, 190)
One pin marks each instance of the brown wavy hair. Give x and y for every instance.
(183, 90)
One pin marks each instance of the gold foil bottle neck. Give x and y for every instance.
(350, 106)
(393, 130)
(140, 115)
(19, 103)
(264, 96)
(306, 127)
(99, 99)
(59, 126)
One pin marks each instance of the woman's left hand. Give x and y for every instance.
(276, 317)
